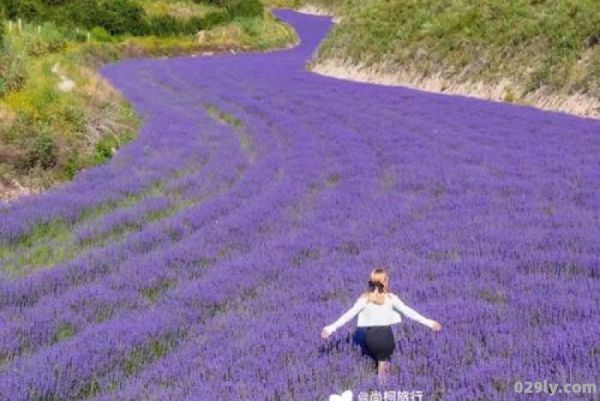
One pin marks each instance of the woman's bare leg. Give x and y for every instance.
(382, 371)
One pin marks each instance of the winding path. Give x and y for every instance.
(203, 260)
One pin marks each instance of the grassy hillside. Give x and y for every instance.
(47, 134)
(551, 46)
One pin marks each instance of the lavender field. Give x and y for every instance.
(203, 260)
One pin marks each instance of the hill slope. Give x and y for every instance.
(544, 53)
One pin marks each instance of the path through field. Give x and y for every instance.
(203, 260)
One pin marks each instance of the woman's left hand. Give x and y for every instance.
(325, 333)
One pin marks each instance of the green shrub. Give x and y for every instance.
(2, 33)
(3, 86)
(26, 9)
(71, 165)
(193, 25)
(41, 151)
(115, 16)
(9, 8)
(214, 18)
(81, 12)
(244, 8)
(238, 8)
(98, 33)
(219, 3)
(73, 117)
(164, 25)
(13, 72)
(50, 39)
(104, 149)
(121, 16)
(54, 2)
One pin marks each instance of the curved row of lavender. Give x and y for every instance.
(208, 254)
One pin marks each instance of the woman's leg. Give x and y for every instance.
(383, 370)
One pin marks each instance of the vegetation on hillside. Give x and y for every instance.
(552, 45)
(47, 134)
(130, 16)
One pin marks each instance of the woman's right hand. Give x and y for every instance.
(436, 326)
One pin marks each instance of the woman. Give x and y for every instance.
(375, 309)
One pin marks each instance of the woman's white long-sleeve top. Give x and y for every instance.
(371, 314)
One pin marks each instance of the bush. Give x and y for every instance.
(115, 16)
(244, 8)
(39, 150)
(100, 34)
(103, 149)
(26, 9)
(238, 8)
(121, 16)
(42, 152)
(2, 33)
(13, 73)
(71, 165)
(214, 18)
(219, 3)
(50, 39)
(82, 12)
(9, 8)
(164, 25)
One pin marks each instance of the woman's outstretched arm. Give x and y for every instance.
(347, 316)
(413, 314)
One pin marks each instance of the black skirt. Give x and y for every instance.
(379, 341)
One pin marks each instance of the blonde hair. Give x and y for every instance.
(379, 282)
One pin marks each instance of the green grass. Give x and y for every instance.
(23, 259)
(63, 332)
(154, 292)
(52, 242)
(552, 44)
